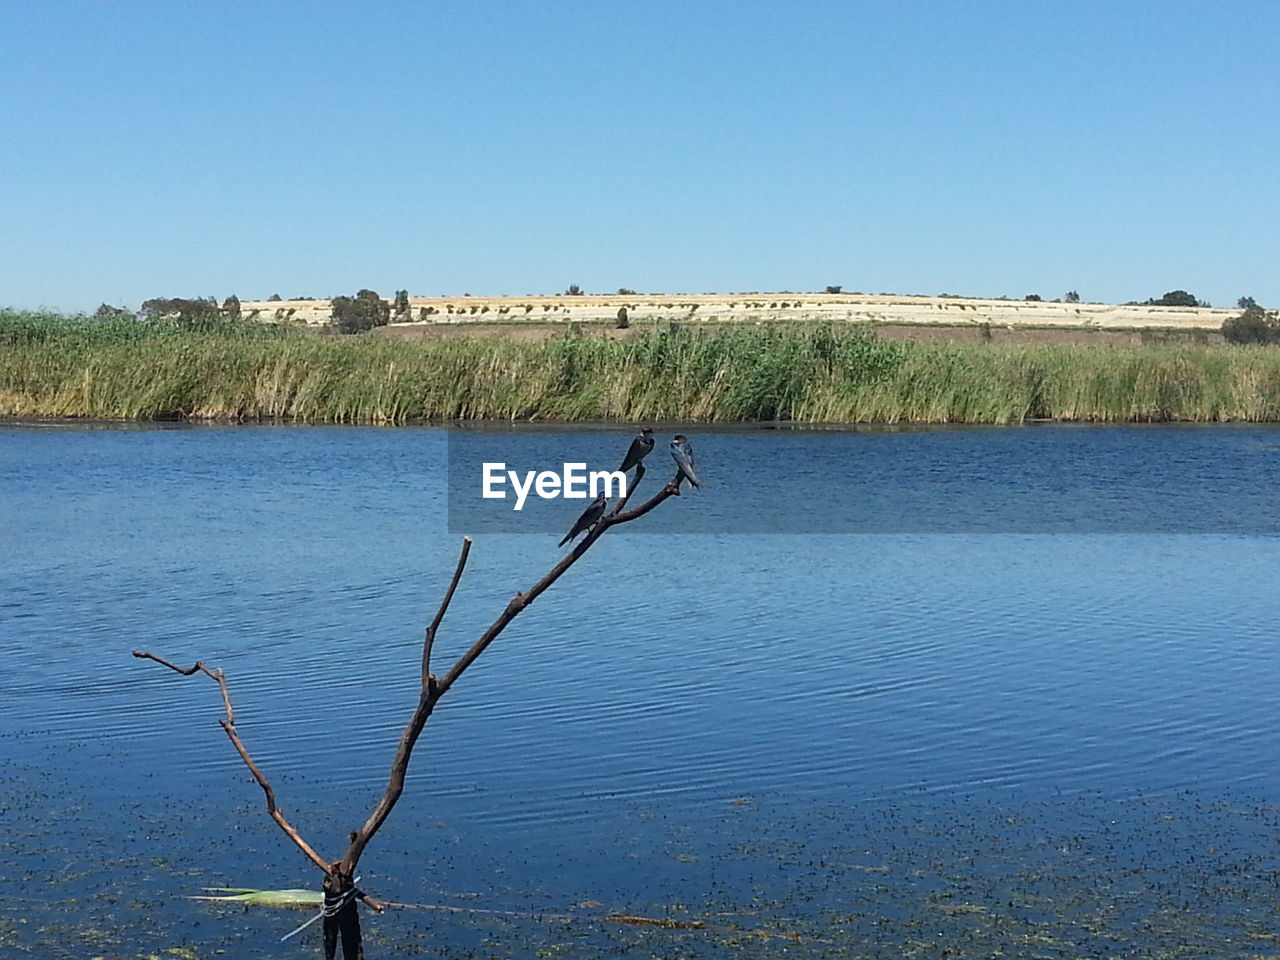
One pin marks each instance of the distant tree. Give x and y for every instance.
(194, 312)
(1175, 298)
(573, 291)
(231, 307)
(106, 313)
(402, 303)
(347, 316)
(274, 297)
(1034, 297)
(624, 292)
(835, 289)
(1072, 297)
(1253, 325)
(364, 311)
(1247, 304)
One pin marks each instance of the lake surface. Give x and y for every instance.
(1058, 743)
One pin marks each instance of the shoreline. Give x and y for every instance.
(815, 374)
(621, 426)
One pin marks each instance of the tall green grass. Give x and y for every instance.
(69, 367)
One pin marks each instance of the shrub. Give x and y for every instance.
(1072, 297)
(182, 312)
(1254, 325)
(364, 311)
(107, 313)
(835, 289)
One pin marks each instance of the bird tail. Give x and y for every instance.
(567, 538)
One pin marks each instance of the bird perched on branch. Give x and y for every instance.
(638, 450)
(682, 454)
(588, 519)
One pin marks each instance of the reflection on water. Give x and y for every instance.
(875, 741)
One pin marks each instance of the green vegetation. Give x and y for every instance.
(129, 369)
(1177, 298)
(181, 312)
(401, 308)
(1254, 325)
(362, 312)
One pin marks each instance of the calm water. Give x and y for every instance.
(1059, 744)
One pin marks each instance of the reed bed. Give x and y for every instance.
(54, 366)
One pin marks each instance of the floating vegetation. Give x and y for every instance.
(124, 370)
(296, 899)
(1170, 877)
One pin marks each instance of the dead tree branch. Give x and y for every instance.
(430, 640)
(339, 881)
(229, 726)
(432, 689)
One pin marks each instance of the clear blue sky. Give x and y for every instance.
(1121, 149)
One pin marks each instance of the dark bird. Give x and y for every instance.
(638, 450)
(588, 518)
(682, 453)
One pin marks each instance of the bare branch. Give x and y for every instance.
(395, 782)
(229, 727)
(340, 872)
(430, 640)
(174, 667)
(522, 600)
(631, 488)
(426, 703)
(672, 489)
(433, 690)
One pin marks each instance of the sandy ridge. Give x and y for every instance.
(737, 308)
